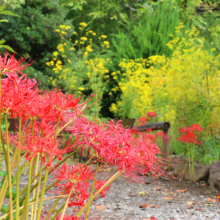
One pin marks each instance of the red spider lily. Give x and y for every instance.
(196, 127)
(116, 146)
(76, 174)
(72, 217)
(142, 120)
(47, 147)
(188, 134)
(151, 114)
(98, 185)
(9, 64)
(16, 94)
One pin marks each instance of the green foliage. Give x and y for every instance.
(14, 3)
(34, 33)
(5, 20)
(149, 33)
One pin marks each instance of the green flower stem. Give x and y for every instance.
(193, 173)
(18, 170)
(58, 211)
(57, 125)
(66, 203)
(92, 190)
(115, 176)
(42, 194)
(28, 191)
(190, 172)
(54, 205)
(51, 170)
(5, 183)
(36, 168)
(21, 207)
(9, 169)
(38, 188)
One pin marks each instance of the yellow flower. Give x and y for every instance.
(106, 42)
(62, 26)
(83, 38)
(83, 24)
(75, 33)
(81, 88)
(67, 27)
(57, 30)
(55, 54)
(103, 36)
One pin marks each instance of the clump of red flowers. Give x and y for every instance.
(45, 115)
(190, 134)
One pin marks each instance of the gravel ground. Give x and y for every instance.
(162, 199)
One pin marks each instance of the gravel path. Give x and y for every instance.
(164, 200)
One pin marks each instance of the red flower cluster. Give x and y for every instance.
(45, 114)
(189, 134)
(78, 178)
(151, 114)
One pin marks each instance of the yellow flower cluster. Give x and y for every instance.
(182, 88)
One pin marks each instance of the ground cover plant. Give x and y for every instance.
(42, 117)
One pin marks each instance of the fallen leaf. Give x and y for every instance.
(144, 206)
(190, 207)
(164, 193)
(156, 176)
(173, 177)
(169, 189)
(218, 198)
(158, 189)
(203, 185)
(199, 209)
(131, 195)
(147, 182)
(172, 219)
(154, 206)
(172, 193)
(153, 218)
(211, 200)
(100, 207)
(181, 190)
(190, 203)
(169, 198)
(143, 193)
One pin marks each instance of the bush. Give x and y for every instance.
(34, 33)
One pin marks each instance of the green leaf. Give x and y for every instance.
(7, 47)
(2, 42)
(3, 173)
(4, 208)
(3, 20)
(13, 192)
(7, 13)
